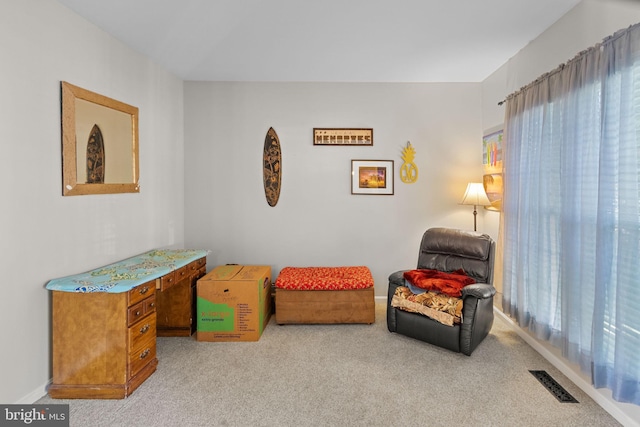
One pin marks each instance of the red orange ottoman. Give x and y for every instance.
(325, 295)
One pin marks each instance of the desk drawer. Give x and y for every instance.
(139, 332)
(140, 358)
(150, 305)
(182, 273)
(165, 282)
(140, 292)
(202, 271)
(141, 309)
(196, 265)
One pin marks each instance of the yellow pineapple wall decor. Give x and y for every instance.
(408, 170)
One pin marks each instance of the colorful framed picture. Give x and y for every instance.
(492, 167)
(347, 136)
(492, 151)
(372, 177)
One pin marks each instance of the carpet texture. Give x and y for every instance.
(343, 375)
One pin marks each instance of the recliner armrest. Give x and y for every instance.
(479, 290)
(397, 278)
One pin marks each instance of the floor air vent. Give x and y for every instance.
(552, 385)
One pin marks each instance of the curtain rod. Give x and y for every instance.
(606, 40)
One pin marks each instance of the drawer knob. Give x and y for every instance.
(145, 329)
(144, 290)
(138, 313)
(153, 304)
(145, 353)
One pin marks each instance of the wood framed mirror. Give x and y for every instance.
(99, 144)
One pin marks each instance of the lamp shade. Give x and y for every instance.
(475, 195)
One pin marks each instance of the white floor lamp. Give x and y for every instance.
(476, 196)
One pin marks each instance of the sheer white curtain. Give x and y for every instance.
(571, 211)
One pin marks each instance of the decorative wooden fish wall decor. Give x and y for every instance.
(95, 157)
(272, 167)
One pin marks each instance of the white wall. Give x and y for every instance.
(44, 235)
(584, 26)
(317, 222)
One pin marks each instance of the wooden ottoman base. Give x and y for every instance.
(343, 306)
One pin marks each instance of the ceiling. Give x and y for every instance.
(327, 40)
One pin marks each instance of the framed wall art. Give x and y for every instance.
(372, 177)
(99, 144)
(345, 136)
(492, 167)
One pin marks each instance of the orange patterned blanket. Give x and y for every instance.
(438, 281)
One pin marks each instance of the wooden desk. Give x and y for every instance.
(176, 300)
(105, 320)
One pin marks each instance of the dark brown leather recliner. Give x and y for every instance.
(447, 250)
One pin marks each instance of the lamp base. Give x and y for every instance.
(475, 214)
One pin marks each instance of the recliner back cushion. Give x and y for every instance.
(448, 250)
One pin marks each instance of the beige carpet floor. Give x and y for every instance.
(343, 375)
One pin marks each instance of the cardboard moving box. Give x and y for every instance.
(233, 303)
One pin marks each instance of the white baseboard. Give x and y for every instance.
(35, 395)
(611, 406)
